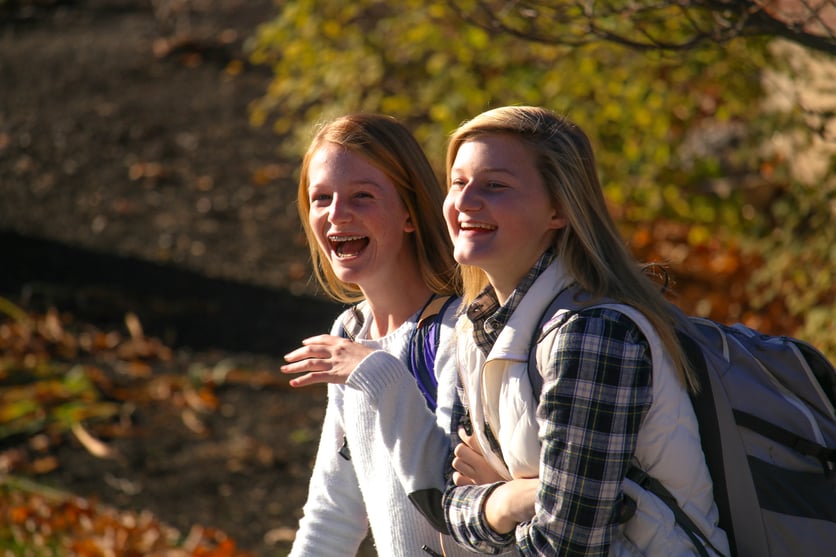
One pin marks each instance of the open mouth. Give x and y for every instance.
(476, 226)
(348, 246)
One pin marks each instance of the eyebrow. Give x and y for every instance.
(499, 170)
(359, 182)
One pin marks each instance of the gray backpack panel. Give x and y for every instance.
(770, 400)
(768, 430)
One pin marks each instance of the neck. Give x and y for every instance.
(503, 289)
(392, 308)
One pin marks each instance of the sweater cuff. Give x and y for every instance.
(376, 372)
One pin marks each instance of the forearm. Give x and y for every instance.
(510, 504)
(395, 415)
(383, 390)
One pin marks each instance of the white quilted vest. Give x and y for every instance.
(499, 392)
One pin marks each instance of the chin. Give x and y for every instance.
(468, 257)
(343, 272)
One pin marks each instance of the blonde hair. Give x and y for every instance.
(590, 246)
(389, 146)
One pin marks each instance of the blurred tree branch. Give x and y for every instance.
(656, 24)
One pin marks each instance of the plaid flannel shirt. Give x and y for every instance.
(596, 392)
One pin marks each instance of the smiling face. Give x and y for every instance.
(498, 211)
(358, 219)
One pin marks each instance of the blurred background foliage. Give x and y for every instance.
(717, 159)
(715, 132)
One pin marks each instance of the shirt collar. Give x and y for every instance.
(488, 317)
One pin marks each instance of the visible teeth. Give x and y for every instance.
(470, 225)
(344, 246)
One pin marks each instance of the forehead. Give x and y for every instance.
(335, 165)
(501, 152)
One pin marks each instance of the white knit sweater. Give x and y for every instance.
(397, 446)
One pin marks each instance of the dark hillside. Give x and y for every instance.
(132, 183)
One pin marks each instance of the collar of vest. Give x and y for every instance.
(515, 336)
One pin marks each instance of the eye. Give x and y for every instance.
(320, 198)
(363, 195)
(493, 185)
(457, 183)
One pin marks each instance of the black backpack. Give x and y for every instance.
(768, 431)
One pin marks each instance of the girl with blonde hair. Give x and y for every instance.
(528, 220)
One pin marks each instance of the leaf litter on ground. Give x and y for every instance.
(52, 388)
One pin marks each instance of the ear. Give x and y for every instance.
(557, 220)
(408, 226)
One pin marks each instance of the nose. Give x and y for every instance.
(467, 199)
(339, 211)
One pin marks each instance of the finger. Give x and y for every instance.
(307, 365)
(460, 479)
(463, 451)
(315, 346)
(463, 466)
(469, 440)
(321, 339)
(314, 378)
(307, 351)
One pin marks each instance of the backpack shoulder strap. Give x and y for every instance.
(565, 299)
(424, 344)
(350, 328)
(436, 307)
(352, 322)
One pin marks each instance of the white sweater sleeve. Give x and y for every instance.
(335, 520)
(416, 439)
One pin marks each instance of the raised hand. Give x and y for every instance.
(324, 359)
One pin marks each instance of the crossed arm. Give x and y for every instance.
(510, 503)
